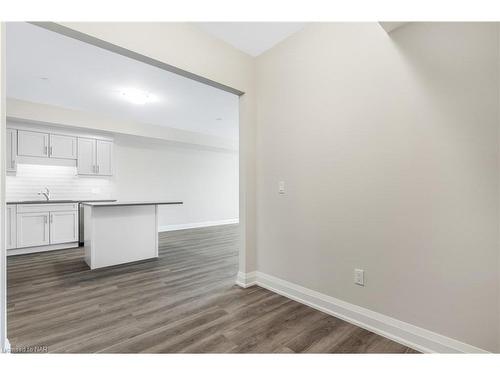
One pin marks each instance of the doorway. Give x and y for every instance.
(131, 141)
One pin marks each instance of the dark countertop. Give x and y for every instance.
(130, 203)
(62, 201)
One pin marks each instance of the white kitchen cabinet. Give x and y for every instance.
(104, 158)
(11, 147)
(10, 230)
(62, 146)
(95, 157)
(50, 145)
(32, 229)
(31, 143)
(37, 144)
(43, 224)
(63, 227)
(86, 156)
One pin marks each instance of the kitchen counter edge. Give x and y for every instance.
(139, 203)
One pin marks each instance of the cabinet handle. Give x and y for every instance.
(46, 150)
(51, 218)
(98, 168)
(45, 219)
(50, 151)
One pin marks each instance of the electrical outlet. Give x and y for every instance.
(359, 277)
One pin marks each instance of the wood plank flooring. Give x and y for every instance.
(184, 301)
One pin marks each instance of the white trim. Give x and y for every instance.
(168, 228)
(407, 334)
(6, 348)
(38, 249)
(246, 280)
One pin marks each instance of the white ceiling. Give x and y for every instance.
(252, 38)
(49, 68)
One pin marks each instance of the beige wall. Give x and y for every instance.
(186, 47)
(498, 282)
(389, 150)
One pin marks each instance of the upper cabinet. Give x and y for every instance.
(62, 146)
(104, 158)
(50, 145)
(95, 157)
(11, 148)
(86, 156)
(32, 144)
(44, 145)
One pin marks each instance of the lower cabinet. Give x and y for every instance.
(41, 225)
(33, 229)
(10, 229)
(63, 226)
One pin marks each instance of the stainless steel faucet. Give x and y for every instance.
(45, 193)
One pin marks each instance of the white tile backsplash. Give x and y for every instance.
(63, 182)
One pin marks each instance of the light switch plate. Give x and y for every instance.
(281, 187)
(359, 277)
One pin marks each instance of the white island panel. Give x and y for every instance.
(120, 234)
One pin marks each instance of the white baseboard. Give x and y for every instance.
(246, 280)
(168, 228)
(38, 249)
(407, 334)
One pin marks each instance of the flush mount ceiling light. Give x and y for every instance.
(137, 96)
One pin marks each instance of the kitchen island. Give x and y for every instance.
(120, 232)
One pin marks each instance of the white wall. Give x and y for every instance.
(389, 149)
(205, 180)
(36, 112)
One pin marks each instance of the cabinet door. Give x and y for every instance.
(63, 227)
(104, 158)
(10, 230)
(32, 229)
(86, 156)
(11, 146)
(62, 146)
(32, 144)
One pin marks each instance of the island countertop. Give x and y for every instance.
(129, 203)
